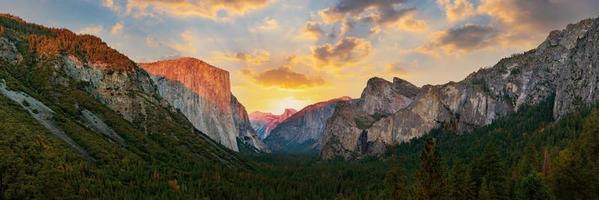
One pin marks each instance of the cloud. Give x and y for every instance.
(256, 57)
(117, 28)
(347, 50)
(457, 10)
(531, 15)
(268, 24)
(186, 46)
(110, 4)
(378, 13)
(397, 68)
(313, 30)
(462, 38)
(284, 77)
(410, 23)
(210, 9)
(92, 30)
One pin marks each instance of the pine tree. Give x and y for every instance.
(430, 178)
(489, 175)
(460, 183)
(533, 187)
(395, 182)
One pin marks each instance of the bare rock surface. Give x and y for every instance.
(565, 65)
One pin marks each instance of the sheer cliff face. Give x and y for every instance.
(202, 93)
(263, 123)
(302, 132)
(246, 133)
(352, 118)
(565, 65)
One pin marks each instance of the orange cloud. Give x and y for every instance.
(457, 10)
(256, 57)
(347, 50)
(117, 28)
(313, 30)
(284, 77)
(211, 9)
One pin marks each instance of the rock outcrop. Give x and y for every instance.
(203, 94)
(303, 131)
(565, 65)
(246, 132)
(263, 122)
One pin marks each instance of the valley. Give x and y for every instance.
(81, 120)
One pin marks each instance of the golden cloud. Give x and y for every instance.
(117, 28)
(347, 50)
(457, 10)
(211, 9)
(312, 30)
(256, 57)
(284, 77)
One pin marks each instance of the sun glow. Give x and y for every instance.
(287, 102)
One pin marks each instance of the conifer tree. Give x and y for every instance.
(430, 180)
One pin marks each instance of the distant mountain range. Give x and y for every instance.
(264, 122)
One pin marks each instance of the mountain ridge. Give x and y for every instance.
(302, 132)
(556, 66)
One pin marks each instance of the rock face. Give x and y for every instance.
(203, 94)
(263, 123)
(303, 131)
(564, 65)
(127, 92)
(246, 133)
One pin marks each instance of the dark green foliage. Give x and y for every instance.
(460, 183)
(396, 183)
(533, 187)
(430, 178)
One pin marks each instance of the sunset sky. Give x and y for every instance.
(291, 53)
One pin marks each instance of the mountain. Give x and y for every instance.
(202, 93)
(263, 123)
(302, 132)
(73, 109)
(565, 65)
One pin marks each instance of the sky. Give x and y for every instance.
(292, 53)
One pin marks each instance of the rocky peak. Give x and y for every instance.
(206, 80)
(405, 88)
(565, 65)
(382, 96)
(264, 122)
(288, 112)
(202, 93)
(303, 132)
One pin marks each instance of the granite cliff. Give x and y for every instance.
(202, 93)
(565, 65)
(303, 131)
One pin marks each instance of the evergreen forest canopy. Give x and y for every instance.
(525, 155)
